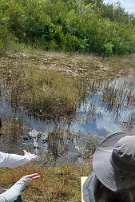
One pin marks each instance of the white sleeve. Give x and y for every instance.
(11, 194)
(2, 198)
(14, 160)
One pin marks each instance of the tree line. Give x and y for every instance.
(67, 25)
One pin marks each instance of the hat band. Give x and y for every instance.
(120, 165)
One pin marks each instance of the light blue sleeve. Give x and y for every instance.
(11, 194)
(14, 160)
(2, 198)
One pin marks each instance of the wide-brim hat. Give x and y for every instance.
(114, 179)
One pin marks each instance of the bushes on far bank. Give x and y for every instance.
(83, 26)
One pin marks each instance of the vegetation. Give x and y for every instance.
(57, 184)
(10, 135)
(63, 25)
(48, 94)
(82, 26)
(49, 85)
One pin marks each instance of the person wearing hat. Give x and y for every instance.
(12, 161)
(113, 177)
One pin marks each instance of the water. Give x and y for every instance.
(108, 108)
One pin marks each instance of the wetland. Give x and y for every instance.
(61, 106)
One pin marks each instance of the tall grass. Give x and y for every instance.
(43, 93)
(10, 135)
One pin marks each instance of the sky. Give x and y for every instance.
(129, 5)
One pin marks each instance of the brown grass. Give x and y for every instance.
(44, 93)
(56, 184)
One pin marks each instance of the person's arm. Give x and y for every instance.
(11, 194)
(2, 199)
(14, 160)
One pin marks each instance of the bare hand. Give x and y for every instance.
(32, 157)
(32, 176)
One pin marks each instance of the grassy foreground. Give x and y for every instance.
(57, 184)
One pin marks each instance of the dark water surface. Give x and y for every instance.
(109, 107)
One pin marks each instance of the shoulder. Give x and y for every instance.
(89, 187)
(91, 180)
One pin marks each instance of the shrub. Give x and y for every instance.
(88, 26)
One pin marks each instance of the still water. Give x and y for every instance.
(109, 107)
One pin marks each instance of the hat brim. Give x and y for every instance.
(103, 168)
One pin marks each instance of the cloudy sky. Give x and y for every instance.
(129, 5)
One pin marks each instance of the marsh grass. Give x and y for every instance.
(15, 46)
(50, 92)
(43, 93)
(10, 135)
(57, 184)
(121, 63)
(13, 126)
(52, 84)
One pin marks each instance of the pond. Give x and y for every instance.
(109, 107)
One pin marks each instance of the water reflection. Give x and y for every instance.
(109, 107)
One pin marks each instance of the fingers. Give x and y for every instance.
(25, 152)
(30, 156)
(36, 177)
(32, 176)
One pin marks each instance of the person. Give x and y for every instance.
(12, 161)
(113, 176)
